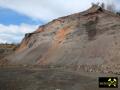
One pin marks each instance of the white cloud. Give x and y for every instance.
(2, 41)
(47, 9)
(14, 33)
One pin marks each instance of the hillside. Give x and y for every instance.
(87, 40)
(6, 49)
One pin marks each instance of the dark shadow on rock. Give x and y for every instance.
(91, 28)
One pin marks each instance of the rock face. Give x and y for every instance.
(88, 38)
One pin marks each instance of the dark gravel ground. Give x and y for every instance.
(48, 79)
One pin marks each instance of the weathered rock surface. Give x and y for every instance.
(89, 38)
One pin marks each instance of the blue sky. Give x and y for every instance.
(18, 17)
(8, 16)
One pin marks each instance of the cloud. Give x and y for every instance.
(8, 16)
(47, 10)
(15, 33)
(44, 10)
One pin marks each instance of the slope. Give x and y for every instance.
(88, 40)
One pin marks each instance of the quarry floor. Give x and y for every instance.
(49, 79)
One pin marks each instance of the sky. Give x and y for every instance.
(18, 17)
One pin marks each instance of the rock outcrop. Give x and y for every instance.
(88, 38)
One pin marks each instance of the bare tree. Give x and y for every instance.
(111, 7)
(95, 4)
(103, 5)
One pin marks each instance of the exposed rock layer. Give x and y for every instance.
(88, 38)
